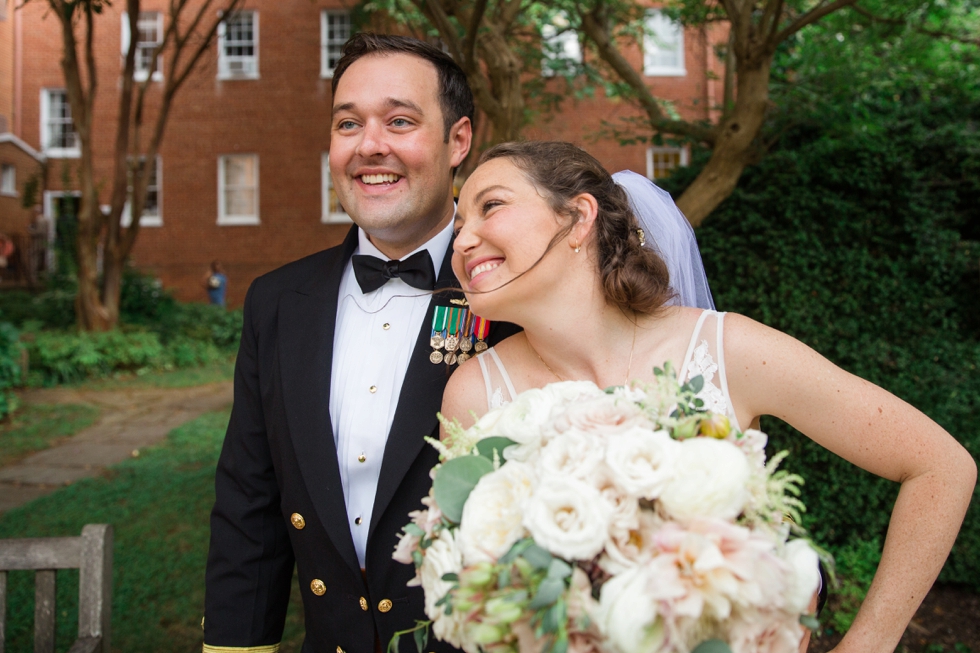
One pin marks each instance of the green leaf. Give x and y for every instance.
(413, 529)
(712, 646)
(538, 558)
(559, 569)
(548, 592)
(516, 549)
(695, 384)
(455, 480)
(451, 578)
(809, 621)
(497, 443)
(561, 643)
(421, 638)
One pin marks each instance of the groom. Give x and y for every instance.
(334, 387)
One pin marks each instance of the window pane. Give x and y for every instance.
(336, 34)
(59, 127)
(663, 43)
(240, 202)
(8, 179)
(239, 171)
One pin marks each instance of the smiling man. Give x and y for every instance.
(335, 389)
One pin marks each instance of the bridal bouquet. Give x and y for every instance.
(620, 521)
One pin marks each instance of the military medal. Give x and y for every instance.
(452, 340)
(440, 317)
(481, 328)
(466, 339)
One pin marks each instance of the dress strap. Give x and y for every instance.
(504, 374)
(722, 377)
(690, 347)
(486, 378)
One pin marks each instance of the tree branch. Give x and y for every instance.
(469, 47)
(809, 18)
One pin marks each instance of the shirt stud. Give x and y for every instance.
(385, 326)
(357, 521)
(373, 389)
(361, 458)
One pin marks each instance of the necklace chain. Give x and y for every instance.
(629, 366)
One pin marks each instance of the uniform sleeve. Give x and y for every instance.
(250, 560)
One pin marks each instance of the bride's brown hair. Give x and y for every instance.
(633, 277)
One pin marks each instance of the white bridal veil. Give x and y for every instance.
(668, 233)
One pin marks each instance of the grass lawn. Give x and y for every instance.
(159, 505)
(38, 426)
(180, 378)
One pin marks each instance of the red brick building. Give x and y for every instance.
(242, 174)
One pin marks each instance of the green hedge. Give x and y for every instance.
(864, 246)
(10, 361)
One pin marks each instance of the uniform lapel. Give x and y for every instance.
(307, 319)
(420, 400)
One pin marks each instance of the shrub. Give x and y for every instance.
(10, 355)
(864, 247)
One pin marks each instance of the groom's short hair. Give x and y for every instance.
(455, 96)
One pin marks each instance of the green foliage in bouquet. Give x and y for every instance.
(864, 244)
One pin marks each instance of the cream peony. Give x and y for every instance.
(492, 516)
(710, 481)
(627, 614)
(602, 415)
(642, 461)
(568, 517)
(573, 454)
(803, 560)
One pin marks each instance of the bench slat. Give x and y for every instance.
(85, 645)
(44, 614)
(41, 553)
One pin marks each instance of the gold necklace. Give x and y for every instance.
(629, 366)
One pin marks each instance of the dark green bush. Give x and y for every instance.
(10, 354)
(864, 246)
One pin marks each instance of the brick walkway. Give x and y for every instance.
(130, 419)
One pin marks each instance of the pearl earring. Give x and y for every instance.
(578, 248)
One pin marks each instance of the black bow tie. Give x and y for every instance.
(372, 273)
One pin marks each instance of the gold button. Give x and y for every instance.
(385, 605)
(297, 520)
(317, 587)
(373, 389)
(357, 521)
(385, 326)
(340, 650)
(363, 602)
(361, 458)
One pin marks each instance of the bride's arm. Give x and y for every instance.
(465, 395)
(770, 373)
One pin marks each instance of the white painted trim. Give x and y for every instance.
(54, 152)
(140, 75)
(126, 219)
(326, 217)
(326, 71)
(7, 137)
(654, 149)
(650, 70)
(233, 220)
(223, 63)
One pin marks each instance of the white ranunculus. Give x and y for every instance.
(568, 517)
(627, 614)
(492, 516)
(642, 461)
(806, 575)
(572, 454)
(709, 481)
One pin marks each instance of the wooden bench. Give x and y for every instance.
(91, 554)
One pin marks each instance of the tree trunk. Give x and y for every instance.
(735, 147)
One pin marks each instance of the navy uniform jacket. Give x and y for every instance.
(279, 499)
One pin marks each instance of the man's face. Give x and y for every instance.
(389, 161)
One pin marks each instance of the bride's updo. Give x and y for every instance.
(634, 277)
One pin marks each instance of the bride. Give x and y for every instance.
(547, 239)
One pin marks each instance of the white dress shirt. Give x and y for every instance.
(373, 342)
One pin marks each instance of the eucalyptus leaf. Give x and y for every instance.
(413, 529)
(538, 557)
(696, 384)
(498, 443)
(519, 547)
(451, 578)
(455, 480)
(559, 569)
(561, 643)
(712, 646)
(809, 621)
(548, 592)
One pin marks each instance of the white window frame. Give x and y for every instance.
(147, 219)
(656, 149)
(141, 73)
(8, 178)
(326, 215)
(656, 21)
(223, 217)
(249, 64)
(55, 152)
(553, 40)
(326, 70)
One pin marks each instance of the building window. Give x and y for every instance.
(560, 47)
(238, 46)
(662, 160)
(152, 215)
(663, 46)
(8, 178)
(334, 32)
(58, 136)
(149, 28)
(238, 189)
(332, 210)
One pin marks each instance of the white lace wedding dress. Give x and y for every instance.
(705, 356)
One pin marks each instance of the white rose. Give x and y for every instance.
(568, 517)
(573, 454)
(603, 414)
(710, 480)
(627, 614)
(566, 392)
(642, 461)
(441, 557)
(491, 521)
(805, 577)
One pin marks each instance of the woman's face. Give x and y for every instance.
(504, 226)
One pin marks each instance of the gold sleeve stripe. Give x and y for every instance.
(268, 648)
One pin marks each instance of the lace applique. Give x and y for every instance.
(703, 364)
(498, 399)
